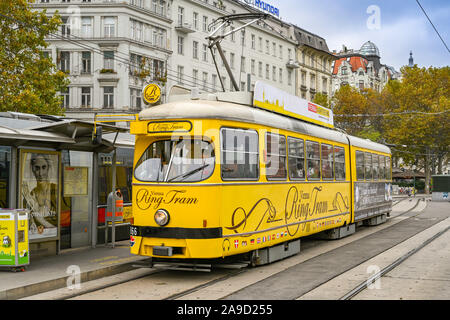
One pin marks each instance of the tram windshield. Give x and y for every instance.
(187, 160)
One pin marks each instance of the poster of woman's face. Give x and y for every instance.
(39, 192)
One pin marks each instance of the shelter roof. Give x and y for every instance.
(60, 133)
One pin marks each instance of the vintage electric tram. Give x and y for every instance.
(244, 174)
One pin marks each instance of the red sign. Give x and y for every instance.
(312, 107)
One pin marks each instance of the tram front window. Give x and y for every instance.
(187, 160)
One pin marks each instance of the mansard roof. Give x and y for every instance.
(306, 38)
(355, 62)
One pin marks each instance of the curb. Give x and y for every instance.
(53, 284)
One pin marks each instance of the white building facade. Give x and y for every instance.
(261, 51)
(103, 46)
(314, 60)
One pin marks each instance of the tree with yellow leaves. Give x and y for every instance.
(29, 81)
(354, 111)
(419, 108)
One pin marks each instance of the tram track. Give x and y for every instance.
(371, 281)
(418, 199)
(205, 285)
(229, 277)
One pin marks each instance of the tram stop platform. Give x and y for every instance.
(50, 273)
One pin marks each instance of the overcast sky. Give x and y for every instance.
(401, 27)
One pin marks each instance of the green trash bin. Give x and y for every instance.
(14, 246)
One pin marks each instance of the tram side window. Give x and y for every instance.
(313, 160)
(296, 159)
(276, 157)
(368, 165)
(375, 166)
(359, 165)
(326, 152)
(388, 168)
(382, 173)
(339, 163)
(239, 154)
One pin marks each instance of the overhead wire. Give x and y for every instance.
(437, 32)
(391, 114)
(117, 58)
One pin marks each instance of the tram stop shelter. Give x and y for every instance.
(49, 165)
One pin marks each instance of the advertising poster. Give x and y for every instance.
(75, 181)
(267, 97)
(7, 254)
(371, 198)
(39, 185)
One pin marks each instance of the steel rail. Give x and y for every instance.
(363, 285)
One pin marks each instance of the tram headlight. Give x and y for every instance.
(162, 217)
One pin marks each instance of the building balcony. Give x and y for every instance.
(184, 27)
(291, 64)
(108, 75)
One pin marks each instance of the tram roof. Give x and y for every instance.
(206, 109)
(368, 144)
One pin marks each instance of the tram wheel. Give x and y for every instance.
(254, 257)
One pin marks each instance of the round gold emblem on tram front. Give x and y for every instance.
(151, 93)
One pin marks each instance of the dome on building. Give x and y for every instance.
(369, 49)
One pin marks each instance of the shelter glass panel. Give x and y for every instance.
(39, 190)
(5, 166)
(124, 174)
(76, 181)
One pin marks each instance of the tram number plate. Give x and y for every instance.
(162, 251)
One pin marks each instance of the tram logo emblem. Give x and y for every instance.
(151, 93)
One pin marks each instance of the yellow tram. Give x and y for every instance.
(231, 174)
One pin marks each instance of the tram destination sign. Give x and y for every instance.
(270, 98)
(169, 126)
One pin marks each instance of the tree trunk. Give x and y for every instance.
(440, 160)
(427, 171)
